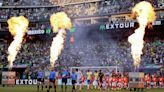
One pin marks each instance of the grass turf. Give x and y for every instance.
(23, 88)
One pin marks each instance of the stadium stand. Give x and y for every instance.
(94, 8)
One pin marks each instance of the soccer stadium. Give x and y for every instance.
(81, 45)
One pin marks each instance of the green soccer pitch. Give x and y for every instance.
(23, 88)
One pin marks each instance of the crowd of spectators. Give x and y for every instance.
(104, 53)
(97, 8)
(33, 14)
(156, 3)
(108, 53)
(25, 2)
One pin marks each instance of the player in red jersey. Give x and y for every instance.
(92, 79)
(125, 82)
(107, 81)
(161, 82)
(120, 83)
(82, 81)
(155, 81)
(114, 82)
(117, 78)
(148, 81)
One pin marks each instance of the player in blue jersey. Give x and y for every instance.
(40, 79)
(74, 78)
(52, 79)
(65, 75)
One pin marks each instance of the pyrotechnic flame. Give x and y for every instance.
(59, 22)
(145, 14)
(146, 10)
(17, 27)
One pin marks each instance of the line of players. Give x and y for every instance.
(154, 81)
(105, 80)
(99, 79)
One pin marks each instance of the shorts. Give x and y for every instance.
(88, 81)
(73, 82)
(40, 80)
(95, 82)
(78, 81)
(107, 82)
(114, 84)
(52, 80)
(101, 80)
(64, 80)
(161, 83)
(151, 83)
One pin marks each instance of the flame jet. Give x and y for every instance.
(18, 28)
(60, 22)
(145, 15)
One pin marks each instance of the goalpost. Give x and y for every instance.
(103, 68)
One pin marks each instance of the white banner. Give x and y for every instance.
(120, 25)
(26, 81)
(123, 25)
(34, 32)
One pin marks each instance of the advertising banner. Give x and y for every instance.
(124, 25)
(8, 77)
(34, 32)
(26, 81)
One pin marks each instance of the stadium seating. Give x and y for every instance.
(97, 8)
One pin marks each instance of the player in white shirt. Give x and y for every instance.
(79, 77)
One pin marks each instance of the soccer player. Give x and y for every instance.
(52, 79)
(114, 82)
(95, 82)
(82, 80)
(79, 77)
(125, 81)
(100, 78)
(74, 78)
(89, 75)
(107, 79)
(148, 81)
(65, 75)
(155, 81)
(161, 81)
(40, 79)
(120, 82)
